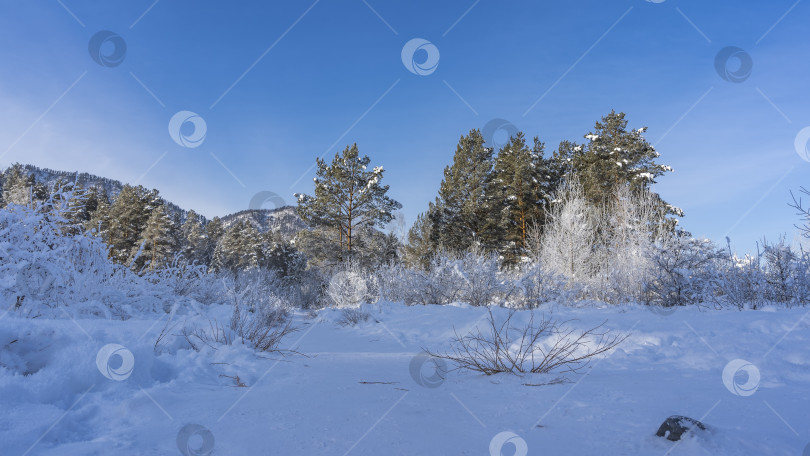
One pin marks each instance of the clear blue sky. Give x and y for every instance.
(280, 83)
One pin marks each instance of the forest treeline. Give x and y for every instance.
(580, 220)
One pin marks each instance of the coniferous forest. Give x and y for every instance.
(580, 221)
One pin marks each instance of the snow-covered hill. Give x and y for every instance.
(358, 391)
(284, 220)
(112, 187)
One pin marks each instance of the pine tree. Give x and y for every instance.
(321, 246)
(240, 248)
(518, 194)
(614, 157)
(214, 230)
(418, 251)
(279, 255)
(126, 219)
(98, 223)
(157, 244)
(193, 239)
(18, 186)
(461, 216)
(348, 199)
(87, 202)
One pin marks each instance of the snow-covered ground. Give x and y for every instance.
(354, 390)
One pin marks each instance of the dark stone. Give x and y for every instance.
(677, 426)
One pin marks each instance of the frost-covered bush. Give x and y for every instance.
(48, 261)
(472, 278)
(533, 286)
(185, 279)
(569, 237)
(441, 283)
(684, 271)
(260, 316)
(43, 259)
(257, 294)
(350, 286)
(483, 282)
(776, 275)
(781, 272)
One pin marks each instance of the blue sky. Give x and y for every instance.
(281, 83)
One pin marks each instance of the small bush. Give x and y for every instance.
(538, 347)
(353, 317)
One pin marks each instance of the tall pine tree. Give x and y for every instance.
(518, 195)
(157, 241)
(194, 239)
(461, 216)
(348, 200)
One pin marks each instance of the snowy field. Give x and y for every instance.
(357, 390)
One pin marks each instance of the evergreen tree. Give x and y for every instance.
(240, 248)
(280, 255)
(87, 202)
(124, 222)
(214, 230)
(193, 239)
(348, 199)
(560, 167)
(614, 157)
(157, 243)
(419, 251)
(18, 186)
(321, 245)
(99, 218)
(518, 192)
(461, 216)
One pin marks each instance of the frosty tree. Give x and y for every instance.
(18, 186)
(348, 199)
(569, 237)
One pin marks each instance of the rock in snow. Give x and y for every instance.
(676, 426)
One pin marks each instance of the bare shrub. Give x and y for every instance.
(538, 347)
(262, 337)
(211, 336)
(802, 211)
(353, 317)
(262, 330)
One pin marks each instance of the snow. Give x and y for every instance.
(351, 390)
